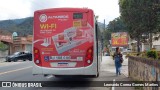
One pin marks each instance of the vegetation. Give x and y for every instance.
(152, 54)
(22, 26)
(141, 17)
(117, 25)
(3, 47)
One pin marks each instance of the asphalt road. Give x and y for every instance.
(22, 71)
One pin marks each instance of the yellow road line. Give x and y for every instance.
(14, 70)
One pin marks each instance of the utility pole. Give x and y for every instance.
(103, 37)
(104, 24)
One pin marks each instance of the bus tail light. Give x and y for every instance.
(37, 58)
(89, 57)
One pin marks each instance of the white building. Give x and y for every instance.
(156, 44)
(145, 46)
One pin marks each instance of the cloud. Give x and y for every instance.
(105, 9)
(11, 9)
(43, 4)
(14, 9)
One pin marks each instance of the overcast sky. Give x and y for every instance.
(13, 9)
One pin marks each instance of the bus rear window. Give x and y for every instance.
(77, 15)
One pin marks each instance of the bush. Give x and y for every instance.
(3, 47)
(152, 54)
(158, 54)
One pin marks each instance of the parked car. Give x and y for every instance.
(19, 56)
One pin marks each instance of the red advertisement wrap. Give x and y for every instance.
(61, 40)
(119, 39)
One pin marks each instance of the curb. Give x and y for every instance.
(2, 60)
(126, 75)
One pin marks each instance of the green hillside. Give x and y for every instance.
(24, 26)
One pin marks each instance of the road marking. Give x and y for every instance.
(50, 76)
(15, 70)
(113, 88)
(9, 63)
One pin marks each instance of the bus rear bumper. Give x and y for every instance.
(89, 70)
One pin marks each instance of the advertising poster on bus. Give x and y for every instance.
(119, 39)
(63, 38)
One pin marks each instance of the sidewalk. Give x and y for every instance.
(108, 69)
(109, 62)
(2, 60)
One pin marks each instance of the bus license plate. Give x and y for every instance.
(62, 64)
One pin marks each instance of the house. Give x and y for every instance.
(144, 46)
(156, 45)
(22, 44)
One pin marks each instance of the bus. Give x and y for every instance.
(66, 42)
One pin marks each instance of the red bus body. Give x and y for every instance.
(64, 42)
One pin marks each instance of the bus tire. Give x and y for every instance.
(57, 76)
(96, 76)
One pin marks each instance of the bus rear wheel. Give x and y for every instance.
(96, 76)
(58, 76)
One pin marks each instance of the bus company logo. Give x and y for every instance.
(59, 17)
(43, 18)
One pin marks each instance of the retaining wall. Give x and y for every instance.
(142, 69)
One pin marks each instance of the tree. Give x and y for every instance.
(117, 25)
(141, 17)
(3, 47)
(107, 37)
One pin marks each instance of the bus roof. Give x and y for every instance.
(64, 9)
